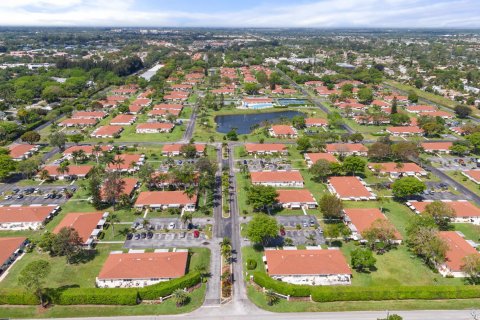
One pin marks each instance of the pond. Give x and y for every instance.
(245, 122)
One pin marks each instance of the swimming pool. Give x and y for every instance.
(258, 106)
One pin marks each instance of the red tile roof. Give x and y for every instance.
(257, 100)
(362, 218)
(164, 198)
(127, 161)
(474, 174)
(87, 149)
(436, 146)
(306, 262)
(8, 246)
(107, 131)
(265, 147)
(123, 119)
(461, 208)
(390, 167)
(167, 106)
(25, 214)
(316, 121)
(345, 147)
(458, 249)
(17, 151)
(314, 157)
(169, 148)
(276, 176)
(89, 115)
(288, 196)
(349, 187)
(164, 112)
(150, 265)
(421, 108)
(72, 170)
(83, 222)
(128, 187)
(405, 129)
(283, 130)
(155, 126)
(442, 114)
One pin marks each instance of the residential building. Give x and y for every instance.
(166, 199)
(315, 122)
(458, 249)
(10, 249)
(397, 170)
(350, 188)
(26, 218)
(87, 149)
(403, 131)
(283, 131)
(278, 178)
(127, 163)
(87, 224)
(359, 220)
(136, 270)
(19, 152)
(97, 115)
(296, 199)
(421, 108)
(154, 127)
(437, 147)
(312, 158)
(78, 123)
(308, 267)
(473, 175)
(175, 149)
(74, 172)
(123, 120)
(108, 131)
(347, 149)
(266, 148)
(129, 187)
(465, 211)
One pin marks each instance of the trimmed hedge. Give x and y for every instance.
(163, 289)
(18, 297)
(112, 296)
(350, 293)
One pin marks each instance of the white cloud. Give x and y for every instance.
(323, 13)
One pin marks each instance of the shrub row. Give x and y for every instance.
(112, 296)
(349, 293)
(163, 289)
(101, 296)
(18, 297)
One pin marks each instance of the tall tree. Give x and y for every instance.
(261, 197)
(331, 207)
(67, 243)
(31, 137)
(113, 187)
(262, 228)
(33, 278)
(441, 213)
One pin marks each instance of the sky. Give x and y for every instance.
(243, 13)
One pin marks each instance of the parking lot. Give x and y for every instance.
(166, 223)
(15, 195)
(262, 164)
(168, 239)
(454, 163)
(308, 227)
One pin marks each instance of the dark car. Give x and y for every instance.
(149, 235)
(282, 232)
(16, 190)
(143, 235)
(58, 196)
(137, 236)
(129, 236)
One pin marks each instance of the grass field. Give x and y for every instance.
(167, 307)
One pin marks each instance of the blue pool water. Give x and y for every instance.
(261, 106)
(286, 102)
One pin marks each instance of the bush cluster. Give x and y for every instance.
(18, 297)
(251, 264)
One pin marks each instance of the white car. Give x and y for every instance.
(171, 226)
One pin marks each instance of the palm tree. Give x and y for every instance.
(382, 201)
(96, 150)
(63, 168)
(44, 175)
(117, 161)
(311, 239)
(225, 242)
(75, 155)
(186, 217)
(181, 297)
(112, 219)
(271, 297)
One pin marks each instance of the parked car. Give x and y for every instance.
(196, 234)
(282, 232)
(143, 235)
(129, 236)
(7, 197)
(171, 226)
(20, 196)
(150, 235)
(137, 236)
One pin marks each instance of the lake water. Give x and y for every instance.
(245, 122)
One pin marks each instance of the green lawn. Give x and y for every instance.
(472, 232)
(81, 274)
(168, 307)
(258, 298)
(130, 135)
